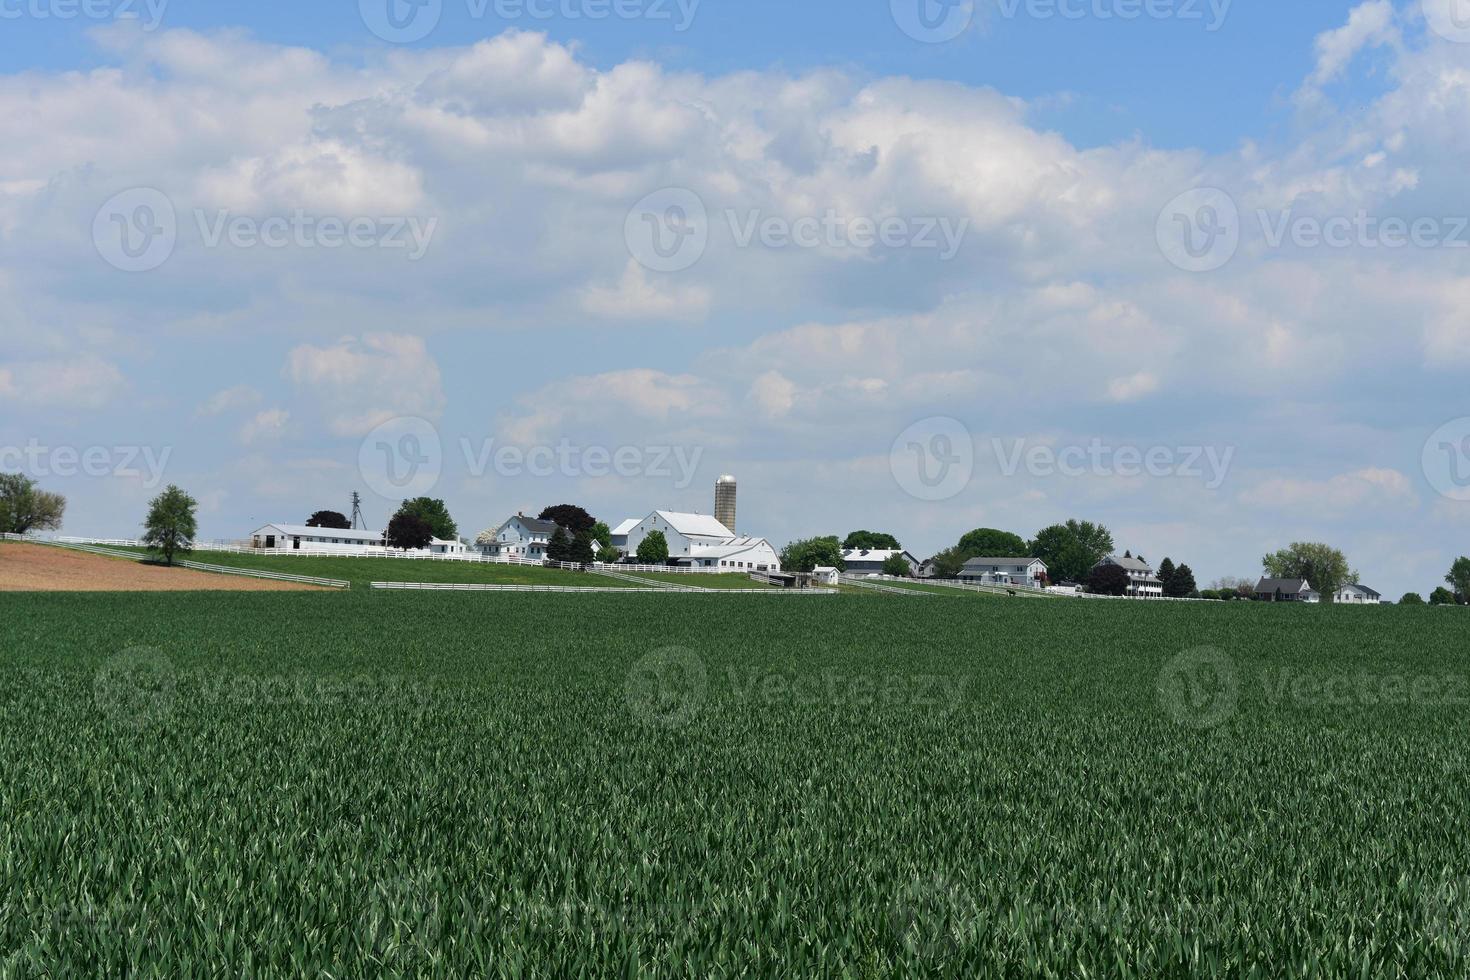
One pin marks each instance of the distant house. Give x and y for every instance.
(929, 569)
(520, 537)
(869, 561)
(1285, 590)
(1358, 595)
(1143, 583)
(1030, 572)
(700, 541)
(825, 575)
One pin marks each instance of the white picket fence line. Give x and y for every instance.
(864, 583)
(1024, 591)
(608, 590)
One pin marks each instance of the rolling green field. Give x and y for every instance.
(357, 784)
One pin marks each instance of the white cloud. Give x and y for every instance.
(637, 296)
(1366, 488)
(266, 426)
(1133, 387)
(363, 382)
(82, 382)
(233, 399)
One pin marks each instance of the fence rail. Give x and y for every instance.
(609, 590)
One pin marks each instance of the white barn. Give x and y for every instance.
(700, 541)
(332, 540)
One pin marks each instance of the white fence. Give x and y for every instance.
(608, 590)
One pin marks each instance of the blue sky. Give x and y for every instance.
(1034, 174)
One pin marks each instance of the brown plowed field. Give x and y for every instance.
(40, 568)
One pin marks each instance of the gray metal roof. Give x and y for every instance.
(1291, 586)
(1025, 562)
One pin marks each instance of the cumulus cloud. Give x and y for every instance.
(81, 382)
(232, 399)
(362, 382)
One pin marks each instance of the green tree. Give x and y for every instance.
(1412, 599)
(329, 519)
(1108, 580)
(569, 516)
(24, 508)
(812, 553)
(1181, 584)
(870, 541)
(171, 526)
(602, 535)
(1442, 597)
(559, 548)
(433, 513)
(582, 547)
(654, 549)
(1072, 550)
(1459, 579)
(409, 532)
(949, 563)
(987, 542)
(1166, 572)
(897, 566)
(1323, 566)
(609, 555)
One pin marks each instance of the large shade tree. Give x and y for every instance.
(329, 519)
(653, 549)
(25, 508)
(171, 526)
(812, 553)
(569, 516)
(435, 514)
(409, 532)
(988, 542)
(1324, 567)
(870, 541)
(1459, 579)
(1072, 550)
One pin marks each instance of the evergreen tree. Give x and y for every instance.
(1182, 584)
(560, 546)
(582, 548)
(1166, 573)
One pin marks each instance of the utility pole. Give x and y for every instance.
(357, 522)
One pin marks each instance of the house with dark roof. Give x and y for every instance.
(519, 537)
(1358, 595)
(870, 561)
(1285, 590)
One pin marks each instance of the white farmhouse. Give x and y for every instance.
(1029, 572)
(520, 537)
(1358, 595)
(700, 541)
(1143, 583)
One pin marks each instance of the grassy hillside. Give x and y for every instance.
(684, 785)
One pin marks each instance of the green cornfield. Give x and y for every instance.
(513, 785)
